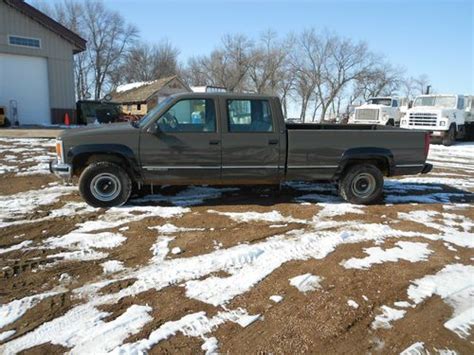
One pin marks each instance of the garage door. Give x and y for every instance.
(24, 83)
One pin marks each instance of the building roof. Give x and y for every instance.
(77, 41)
(141, 92)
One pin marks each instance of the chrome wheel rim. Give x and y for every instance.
(105, 187)
(363, 185)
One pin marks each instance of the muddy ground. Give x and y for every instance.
(215, 250)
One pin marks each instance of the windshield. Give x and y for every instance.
(438, 101)
(380, 101)
(152, 114)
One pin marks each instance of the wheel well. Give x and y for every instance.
(380, 162)
(81, 161)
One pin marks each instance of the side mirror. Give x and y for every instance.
(155, 129)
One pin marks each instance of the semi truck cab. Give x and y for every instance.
(378, 110)
(444, 116)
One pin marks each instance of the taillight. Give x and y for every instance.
(427, 144)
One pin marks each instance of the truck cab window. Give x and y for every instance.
(189, 115)
(249, 116)
(460, 103)
(394, 103)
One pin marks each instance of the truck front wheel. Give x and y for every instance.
(105, 184)
(362, 184)
(449, 137)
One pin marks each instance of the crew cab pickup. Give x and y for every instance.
(233, 139)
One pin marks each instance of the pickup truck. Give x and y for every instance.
(233, 139)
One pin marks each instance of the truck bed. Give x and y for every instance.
(318, 150)
(339, 127)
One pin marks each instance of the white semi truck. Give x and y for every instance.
(447, 117)
(378, 110)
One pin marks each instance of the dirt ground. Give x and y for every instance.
(196, 269)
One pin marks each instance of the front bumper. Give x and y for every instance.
(61, 170)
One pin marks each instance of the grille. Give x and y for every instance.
(422, 119)
(367, 114)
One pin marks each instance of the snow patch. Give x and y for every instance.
(12, 311)
(176, 251)
(417, 348)
(276, 298)
(83, 330)
(408, 251)
(6, 334)
(130, 86)
(306, 282)
(454, 285)
(245, 217)
(112, 266)
(388, 315)
(338, 209)
(353, 304)
(16, 247)
(192, 325)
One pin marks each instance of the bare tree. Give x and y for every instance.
(347, 62)
(70, 14)
(226, 66)
(307, 62)
(144, 62)
(381, 80)
(108, 41)
(165, 59)
(195, 74)
(412, 87)
(266, 65)
(421, 83)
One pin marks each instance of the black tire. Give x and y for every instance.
(105, 184)
(391, 123)
(450, 137)
(362, 184)
(6, 123)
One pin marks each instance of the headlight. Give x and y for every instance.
(404, 122)
(442, 123)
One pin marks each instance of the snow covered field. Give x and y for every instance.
(239, 270)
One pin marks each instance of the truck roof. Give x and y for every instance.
(430, 95)
(201, 95)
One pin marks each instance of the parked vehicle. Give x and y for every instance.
(223, 138)
(4, 122)
(97, 111)
(378, 110)
(469, 117)
(446, 117)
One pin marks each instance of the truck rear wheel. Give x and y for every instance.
(449, 137)
(105, 184)
(362, 184)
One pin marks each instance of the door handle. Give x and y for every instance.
(273, 141)
(214, 142)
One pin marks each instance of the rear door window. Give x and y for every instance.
(249, 116)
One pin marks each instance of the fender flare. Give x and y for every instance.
(120, 150)
(366, 153)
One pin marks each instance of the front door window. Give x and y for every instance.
(189, 115)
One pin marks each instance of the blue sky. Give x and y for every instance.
(424, 36)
